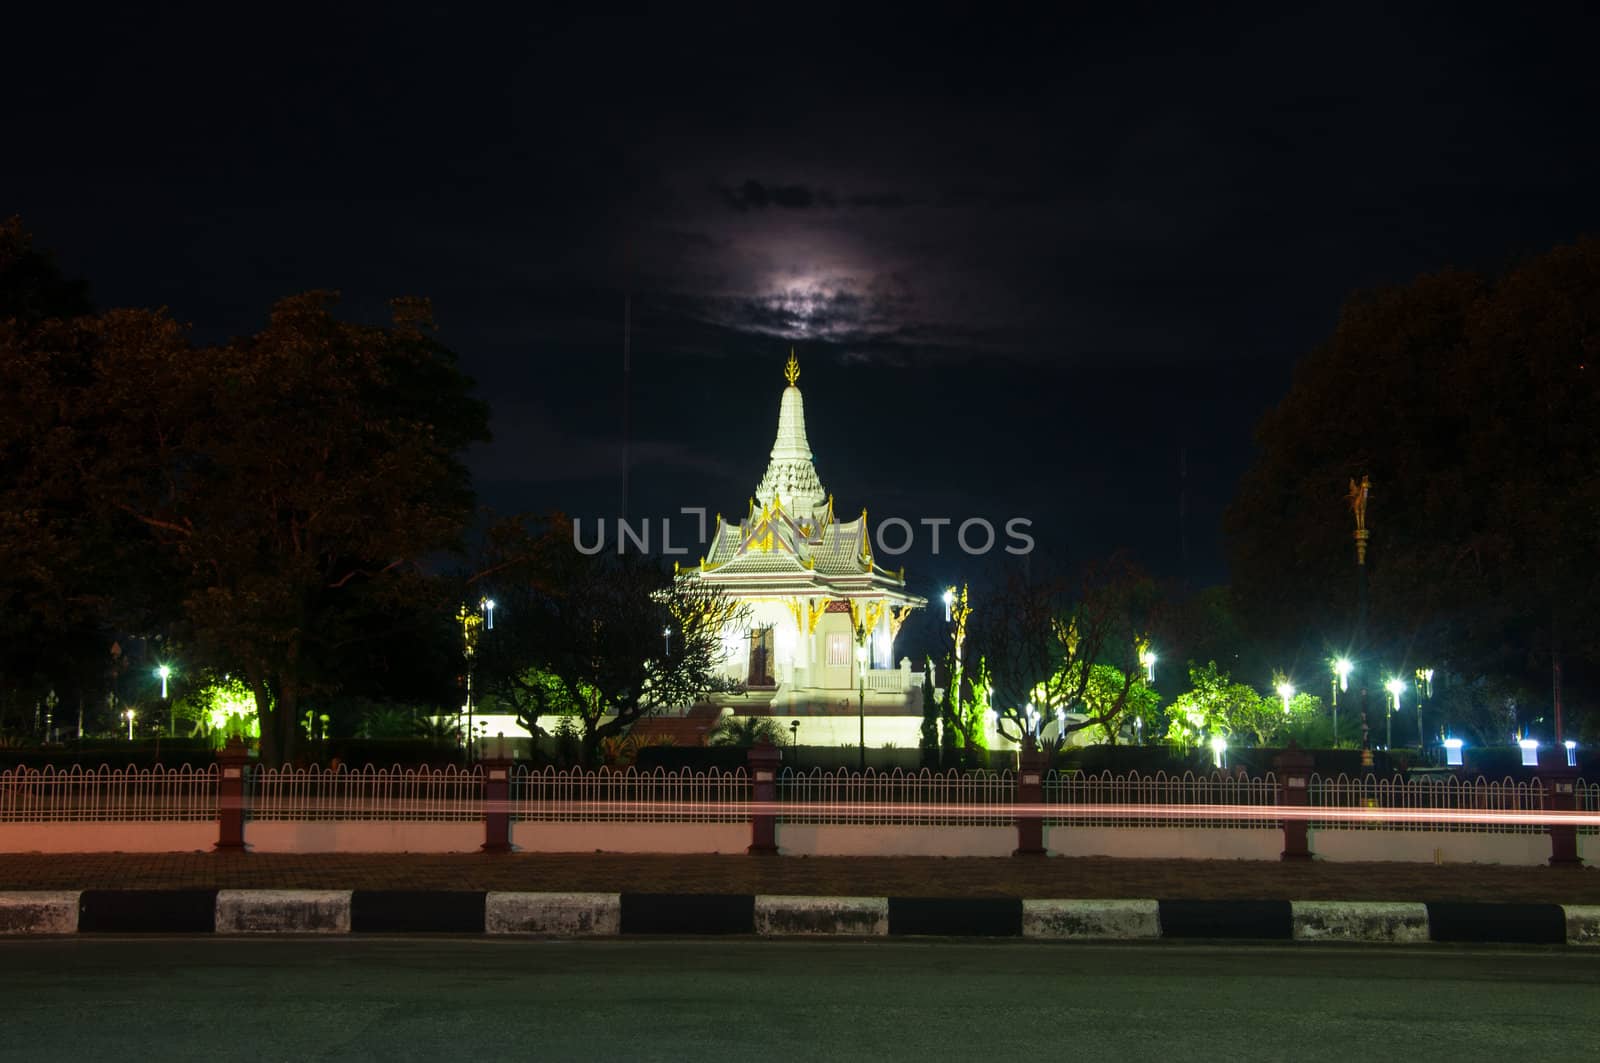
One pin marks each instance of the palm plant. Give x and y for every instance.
(747, 731)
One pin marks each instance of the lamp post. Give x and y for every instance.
(949, 600)
(1341, 681)
(163, 673)
(470, 622)
(666, 642)
(1285, 691)
(129, 713)
(488, 614)
(861, 703)
(1396, 687)
(1424, 689)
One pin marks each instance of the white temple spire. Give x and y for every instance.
(791, 478)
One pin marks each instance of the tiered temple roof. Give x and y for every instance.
(790, 542)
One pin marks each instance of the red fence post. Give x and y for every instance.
(1293, 767)
(231, 763)
(496, 805)
(1031, 765)
(764, 760)
(1561, 795)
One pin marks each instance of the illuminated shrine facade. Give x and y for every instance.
(819, 614)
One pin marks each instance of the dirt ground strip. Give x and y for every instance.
(826, 876)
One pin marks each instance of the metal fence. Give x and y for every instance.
(430, 795)
(1474, 800)
(72, 795)
(629, 795)
(1218, 800)
(920, 798)
(925, 798)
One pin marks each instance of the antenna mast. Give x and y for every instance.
(627, 374)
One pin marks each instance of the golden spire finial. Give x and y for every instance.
(791, 370)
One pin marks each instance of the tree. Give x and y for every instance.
(280, 485)
(220, 708)
(32, 287)
(593, 624)
(1469, 401)
(1215, 705)
(1041, 641)
(515, 568)
(1106, 685)
(62, 565)
(1208, 706)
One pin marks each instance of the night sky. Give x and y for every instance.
(1030, 269)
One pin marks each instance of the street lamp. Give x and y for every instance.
(1395, 686)
(666, 642)
(1147, 658)
(488, 613)
(1286, 691)
(163, 673)
(949, 600)
(1341, 681)
(861, 704)
(1424, 689)
(129, 713)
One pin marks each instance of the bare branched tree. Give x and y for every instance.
(607, 639)
(1047, 644)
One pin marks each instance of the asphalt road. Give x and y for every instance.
(194, 998)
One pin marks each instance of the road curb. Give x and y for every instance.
(283, 911)
(1389, 923)
(553, 914)
(39, 912)
(1102, 920)
(322, 912)
(787, 916)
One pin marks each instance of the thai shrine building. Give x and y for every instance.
(819, 615)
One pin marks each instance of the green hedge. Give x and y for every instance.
(1149, 760)
(93, 752)
(387, 752)
(695, 758)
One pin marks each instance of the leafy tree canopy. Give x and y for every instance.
(273, 493)
(1471, 403)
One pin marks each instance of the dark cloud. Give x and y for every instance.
(754, 195)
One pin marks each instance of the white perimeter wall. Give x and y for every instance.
(361, 836)
(1165, 843)
(108, 837)
(1429, 847)
(630, 837)
(796, 839)
(807, 839)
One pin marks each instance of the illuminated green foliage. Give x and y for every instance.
(220, 709)
(1214, 705)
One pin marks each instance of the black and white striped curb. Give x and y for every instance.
(609, 914)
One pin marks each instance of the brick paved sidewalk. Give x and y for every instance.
(826, 876)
